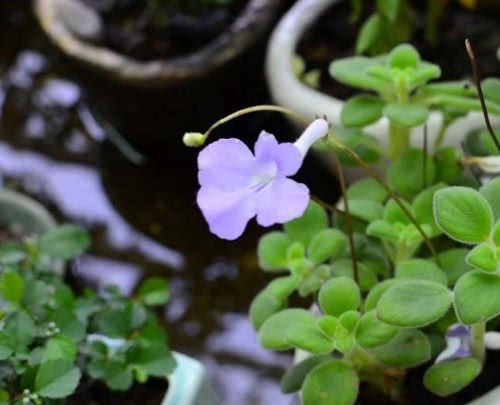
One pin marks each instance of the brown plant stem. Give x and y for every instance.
(347, 217)
(477, 79)
(389, 191)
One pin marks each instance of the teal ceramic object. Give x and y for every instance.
(189, 384)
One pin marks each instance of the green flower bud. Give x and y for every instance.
(194, 139)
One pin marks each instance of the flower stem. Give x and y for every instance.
(399, 141)
(477, 345)
(256, 108)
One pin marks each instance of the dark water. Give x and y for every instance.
(143, 218)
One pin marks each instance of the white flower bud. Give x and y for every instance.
(315, 131)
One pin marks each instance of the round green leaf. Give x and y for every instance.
(420, 269)
(309, 224)
(477, 297)
(369, 33)
(402, 304)
(57, 379)
(376, 292)
(333, 383)
(353, 71)
(383, 230)
(367, 277)
(12, 286)
(422, 207)
(404, 56)
(483, 257)
(272, 251)
(372, 332)
(491, 191)
(409, 348)
(453, 263)
(327, 244)
(463, 214)
(21, 328)
(362, 110)
(449, 377)
(294, 377)
(411, 166)
(294, 328)
(406, 115)
(338, 295)
(367, 189)
(365, 210)
(154, 291)
(65, 242)
(262, 307)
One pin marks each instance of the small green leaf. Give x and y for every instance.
(369, 33)
(68, 324)
(327, 244)
(409, 348)
(404, 56)
(57, 379)
(383, 230)
(496, 234)
(453, 263)
(272, 251)
(7, 345)
(364, 209)
(411, 166)
(297, 324)
(154, 291)
(448, 167)
(156, 359)
(328, 324)
(449, 377)
(314, 280)
(294, 377)
(21, 328)
(367, 189)
(12, 286)
(483, 257)
(376, 292)
(65, 242)
(491, 191)
(360, 111)
(309, 224)
(365, 146)
(463, 214)
(422, 207)
(338, 295)
(61, 347)
(394, 214)
(389, 8)
(372, 332)
(117, 375)
(477, 297)
(420, 269)
(262, 307)
(406, 115)
(353, 71)
(491, 89)
(401, 305)
(333, 382)
(367, 278)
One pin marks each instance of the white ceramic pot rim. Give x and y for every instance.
(252, 22)
(287, 90)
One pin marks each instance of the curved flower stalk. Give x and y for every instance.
(237, 185)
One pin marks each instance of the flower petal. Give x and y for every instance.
(227, 164)
(227, 213)
(281, 201)
(286, 155)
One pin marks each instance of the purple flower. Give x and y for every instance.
(458, 343)
(237, 185)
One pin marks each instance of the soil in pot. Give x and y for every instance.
(333, 37)
(159, 29)
(151, 392)
(415, 393)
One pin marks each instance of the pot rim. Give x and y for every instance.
(288, 91)
(252, 22)
(189, 384)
